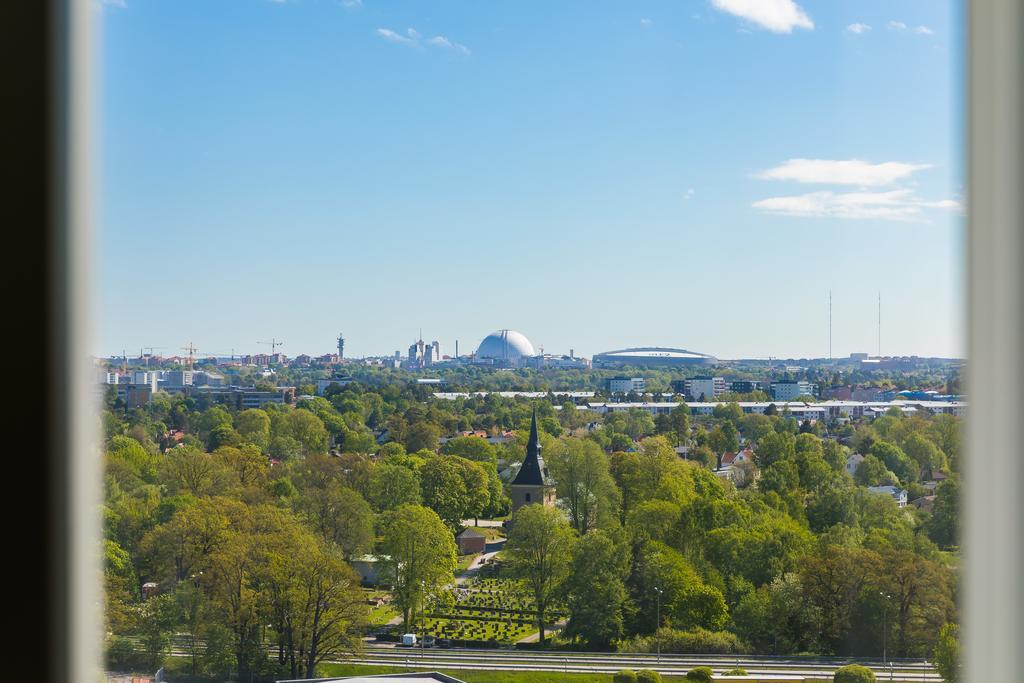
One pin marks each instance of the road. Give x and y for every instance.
(521, 660)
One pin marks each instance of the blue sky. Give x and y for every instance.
(596, 175)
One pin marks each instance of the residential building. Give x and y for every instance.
(744, 386)
(787, 390)
(624, 385)
(335, 380)
(704, 388)
(897, 494)
(176, 378)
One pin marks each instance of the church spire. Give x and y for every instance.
(532, 471)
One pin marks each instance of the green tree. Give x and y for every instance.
(308, 430)
(254, 427)
(724, 438)
(944, 525)
(340, 515)
(947, 653)
(444, 490)
(422, 436)
(472, 448)
(595, 591)
(896, 461)
(872, 472)
(393, 485)
(584, 484)
(540, 551)
(421, 556)
(773, 448)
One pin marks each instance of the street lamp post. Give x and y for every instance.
(657, 625)
(885, 629)
(423, 630)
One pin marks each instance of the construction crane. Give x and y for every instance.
(273, 344)
(191, 348)
(149, 355)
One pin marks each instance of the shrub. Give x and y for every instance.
(648, 676)
(697, 640)
(738, 671)
(700, 673)
(854, 673)
(624, 676)
(121, 653)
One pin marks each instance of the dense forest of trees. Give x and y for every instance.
(246, 521)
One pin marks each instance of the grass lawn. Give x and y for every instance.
(490, 532)
(471, 676)
(379, 615)
(464, 562)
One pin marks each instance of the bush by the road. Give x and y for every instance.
(648, 676)
(624, 676)
(702, 674)
(697, 640)
(854, 673)
(738, 671)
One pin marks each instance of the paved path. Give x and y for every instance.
(490, 550)
(493, 523)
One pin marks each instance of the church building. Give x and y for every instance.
(533, 484)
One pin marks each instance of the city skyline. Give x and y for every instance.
(697, 176)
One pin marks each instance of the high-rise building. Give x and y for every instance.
(704, 388)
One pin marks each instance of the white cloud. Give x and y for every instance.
(352, 3)
(646, 22)
(413, 37)
(441, 41)
(389, 35)
(688, 194)
(896, 26)
(841, 172)
(858, 28)
(778, 16)
(893, 205)
(924, 30)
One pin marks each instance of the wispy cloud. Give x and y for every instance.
(924, 30)
(778, 16)
(441, 41)
(893, 205)
(352, 3)
(688, 194)
(389, 35)
(897, 204)
(415, 38)
(896, 26)
(841, 172)
(858, 28)
(646, 23)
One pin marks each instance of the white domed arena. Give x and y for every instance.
(505, 347)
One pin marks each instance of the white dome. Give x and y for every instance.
(505, 345)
